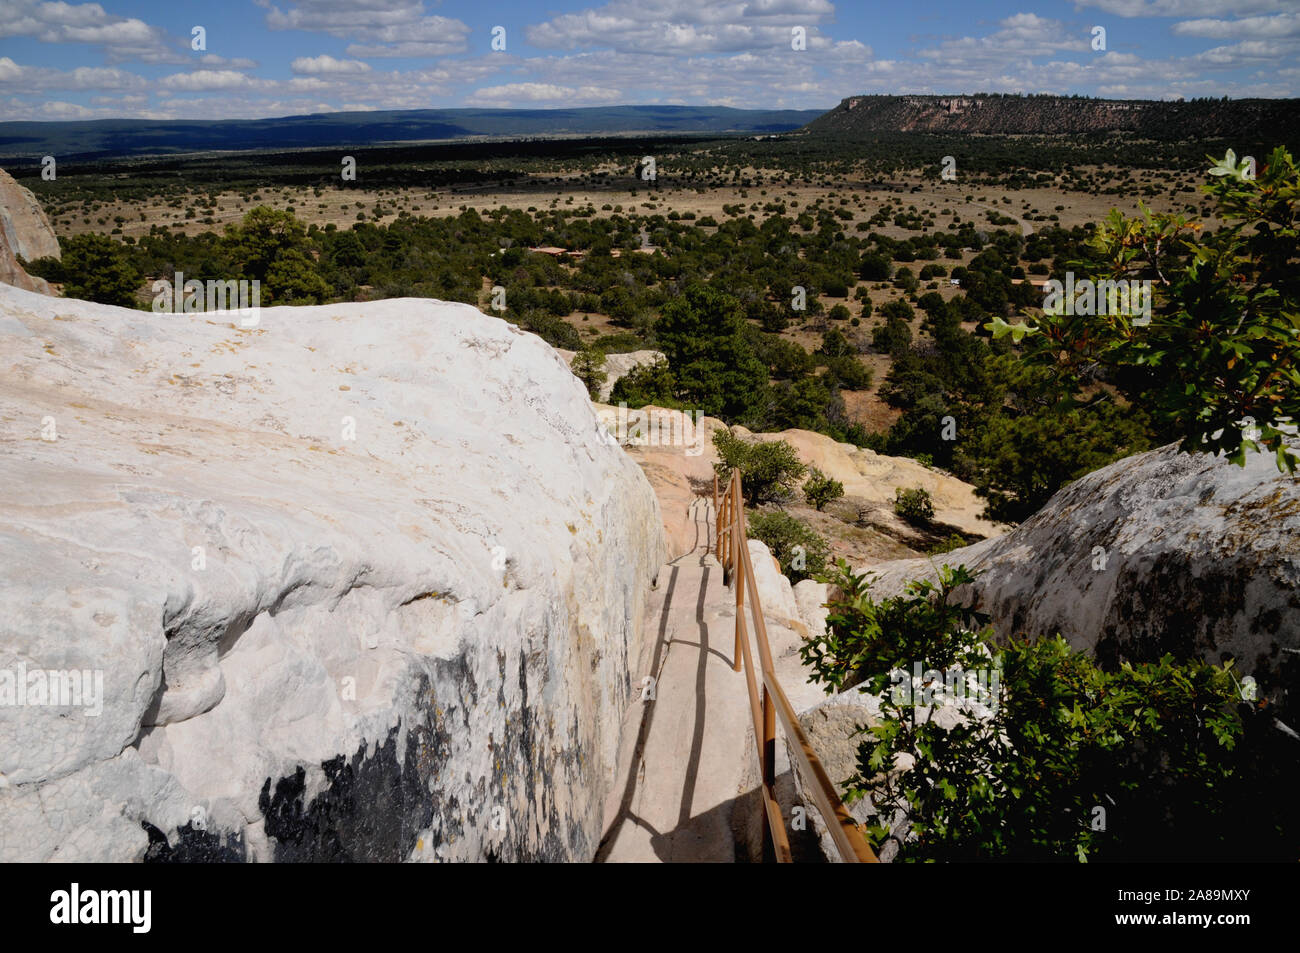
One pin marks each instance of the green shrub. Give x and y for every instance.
(849, 372)
(620, 342)
(652, 383)
(588, 366)
(819, 489)
(1055, 758)
(770, 469)
(955, 541)
(891, 337)
(874, 267)
(97, 268)
(554, 331)
(914, 505)
(49, 268)
(801, 552)
(897, 308)
(835, 344)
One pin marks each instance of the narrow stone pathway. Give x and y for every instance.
(681, 764)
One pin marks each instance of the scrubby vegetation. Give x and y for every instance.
(819, 489)
(914, 505)
(856, 313)
(1033, 752)
(588, 366)
(769, 469)
(1220, 351)
(800, 550)
(824, 293)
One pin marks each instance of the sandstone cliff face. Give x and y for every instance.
(1159, 552)
(25, 232)
(362, 582)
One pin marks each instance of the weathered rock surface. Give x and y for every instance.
(363, 582)
(12, 273)
(1160, 552)
(25, 232)
(832, 726)
(618, 365)
(774, 590)
(811, 597)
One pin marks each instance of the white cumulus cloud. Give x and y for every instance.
(204, 79)
(317, 65)
(531, 94)
(373, 27)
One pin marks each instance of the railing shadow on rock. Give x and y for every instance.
(732, 550)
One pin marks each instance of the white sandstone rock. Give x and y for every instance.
(774, 589)
(1159, 552)
(811, 597)
(24, 232)
(362, 582)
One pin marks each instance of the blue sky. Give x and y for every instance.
(133, 58)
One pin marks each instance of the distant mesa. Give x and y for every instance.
(998, 114)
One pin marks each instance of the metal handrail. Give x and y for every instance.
(732, 550)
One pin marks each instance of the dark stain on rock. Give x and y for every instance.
(377, 803)
(194, 846)
(372, 809)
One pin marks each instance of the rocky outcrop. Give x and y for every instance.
(616, 366)
(361, 582)
(676, 452)
(1160, 552)
(775, 593)
(834, 727)
(811, 596)
(24, 232)
(873, 478)
(12, 273)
